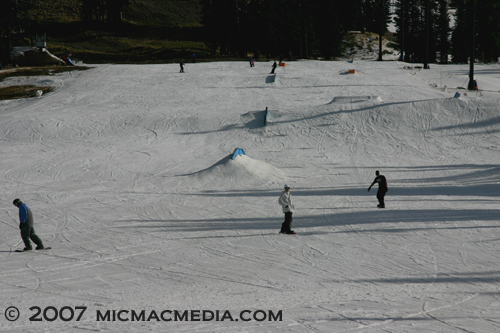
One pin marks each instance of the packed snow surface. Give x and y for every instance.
(128, 172)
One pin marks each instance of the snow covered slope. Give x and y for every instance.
(127, 172)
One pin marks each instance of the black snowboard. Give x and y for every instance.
(46, 248)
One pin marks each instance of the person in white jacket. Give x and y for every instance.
(286, 203)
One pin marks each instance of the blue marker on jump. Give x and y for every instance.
(237, 151)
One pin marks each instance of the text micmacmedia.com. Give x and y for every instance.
(188, 315)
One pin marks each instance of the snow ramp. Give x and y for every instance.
(241, 169)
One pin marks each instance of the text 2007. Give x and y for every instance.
(51, 313)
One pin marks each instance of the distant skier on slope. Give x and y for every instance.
(181, 63)
(273, 68)
(286, 203)
(26, 226)
(382, 188)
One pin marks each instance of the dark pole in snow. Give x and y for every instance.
(403, 32)
(472, 86)
(427, 14)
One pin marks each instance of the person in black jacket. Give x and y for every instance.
(274, 68)
(382, 188)
(26, 226)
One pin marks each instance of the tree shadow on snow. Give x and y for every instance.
(482, 190)
(251, 120)
(473, 125)
(469, 277)
(441, 219)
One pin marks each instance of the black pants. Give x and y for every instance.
(287, 225)
(28, 233)
(380, 197)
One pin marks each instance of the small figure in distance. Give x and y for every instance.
(274, 68)
(286, 203)
(382, 188)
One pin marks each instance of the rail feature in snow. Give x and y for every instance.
(355, 99)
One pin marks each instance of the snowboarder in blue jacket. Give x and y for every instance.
(26, 226)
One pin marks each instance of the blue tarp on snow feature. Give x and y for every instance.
(237, 151)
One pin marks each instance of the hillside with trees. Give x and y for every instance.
(148, 31)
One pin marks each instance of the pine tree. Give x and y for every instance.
(102, 10)
(327, 27)
(488, 30)
(486, 27)
(378, 17)
(221, 19)
(442, 29)
(461, 36)
(411, 28)
(13, 24)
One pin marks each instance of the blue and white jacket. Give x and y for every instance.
(25, 215)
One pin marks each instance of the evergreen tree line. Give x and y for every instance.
(103, 10)
(14, 21)
(486, 27)
(11, 26)
(281, 27)
(439, 42)
(301, 27)
(423, 30)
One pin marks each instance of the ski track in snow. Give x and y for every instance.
(127, 172)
